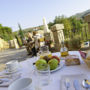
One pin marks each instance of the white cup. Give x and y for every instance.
(22, 84)
(12, 66)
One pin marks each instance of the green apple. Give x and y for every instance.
(41, 64)
(53, 63)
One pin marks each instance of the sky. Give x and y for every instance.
(30, 13)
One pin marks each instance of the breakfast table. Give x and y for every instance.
(27, 69)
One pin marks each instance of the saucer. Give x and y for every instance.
(14, 71)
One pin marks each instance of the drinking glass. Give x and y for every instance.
(43, 75)
(44, 49)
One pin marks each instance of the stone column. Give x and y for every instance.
(16, 43)
(58, 35)
(87, 19)
(11, 44)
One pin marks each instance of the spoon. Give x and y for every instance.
(86, 84)
(67, 84)
(1, 81)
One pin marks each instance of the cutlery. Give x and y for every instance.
(76, 85)
(67, 84)
(86, 84)
(1, 81)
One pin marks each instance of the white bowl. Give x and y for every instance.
(21, 84)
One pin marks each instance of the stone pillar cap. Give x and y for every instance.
(57, 27)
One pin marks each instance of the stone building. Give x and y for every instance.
(41, 32)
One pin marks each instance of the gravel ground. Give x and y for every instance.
(13, 54)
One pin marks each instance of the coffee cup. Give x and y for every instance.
(12, 66)
(22, 84)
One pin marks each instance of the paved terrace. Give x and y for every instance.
(13, 54)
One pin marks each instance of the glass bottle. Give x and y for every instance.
(63, 50)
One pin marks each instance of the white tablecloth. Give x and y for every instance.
(56, 76)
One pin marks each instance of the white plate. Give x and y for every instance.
(60, 66)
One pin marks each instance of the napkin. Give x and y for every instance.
(7, 81)
(83, 54)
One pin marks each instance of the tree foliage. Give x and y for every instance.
(72, 25)
(76, 24)
(6, 33)
(21, 35)
(20, 32)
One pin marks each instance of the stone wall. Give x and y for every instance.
(3, 44)
(13, 44)
(41, 32)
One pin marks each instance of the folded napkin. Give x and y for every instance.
(83, 54)
(7, 81)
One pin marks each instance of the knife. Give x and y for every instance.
(76, 85)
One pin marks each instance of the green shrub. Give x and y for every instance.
(73, 44)
(76, 43)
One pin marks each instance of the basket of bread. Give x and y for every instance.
(86, 57)
(72, 60)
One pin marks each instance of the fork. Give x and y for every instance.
(67, 84)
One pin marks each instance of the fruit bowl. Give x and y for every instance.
(60, 66)
(52, 61)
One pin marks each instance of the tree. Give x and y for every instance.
(21, 34)
(41, 27)
(67, 24)
(76, 24)
(50, 24)
(6, 33)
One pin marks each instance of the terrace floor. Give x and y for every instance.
(13, 54)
